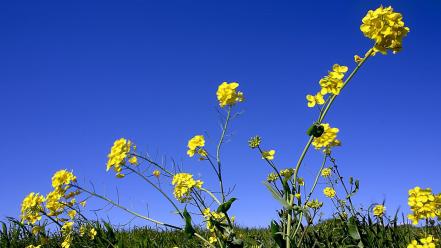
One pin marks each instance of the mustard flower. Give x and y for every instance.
(423, 204)
(228, 95)
(33, 246)
(269, 155)
(386, 28)
(118, 155)
(92, 233)
(287, 172)
(301, 181)
(333, 82)
(272, 177)
(211, 216)
(427, 242)
(254, 142)
(379, 210)
(313, 100)
(133, 160)
(212, 239)
(63, 178)
(31, 208)
(156, 173)
(314, 204)
(327, 139)
(194, 144)
(54, 203)
(329, 192)
(184, 183)
(326, 172)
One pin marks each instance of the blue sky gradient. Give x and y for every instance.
(76, 75)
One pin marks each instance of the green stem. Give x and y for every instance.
(212, 195)
(221, 140)
(153, 163)
(126, 209)
(288, 225)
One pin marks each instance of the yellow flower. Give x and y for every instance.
(272, 177)
(386, 28)
(329, 192)
(72, 214)
(333, 82)
(287, 172)
(67, 241)
(83, 230)
(301, 181)
(269, 155)
(427, 242)
(33, 246)
(31, 208)
(36, 229)
(184, 183)
(211, 216)
(133, 160)
(326, 172)
(212, 240)
(357, 59)
(53, 203)
(63, 178)
(92, 233)
(195, 143)
(313, 100)
(156, 173)
(83, 203)
(297, 195)
(227, 94)
(379, 210)
(314, 204)
(423, 204)
(118, 155)
(327, 139)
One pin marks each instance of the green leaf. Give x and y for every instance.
(188, 229)
(224, 207)
(277, 196)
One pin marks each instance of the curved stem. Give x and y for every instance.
(126, 209)
(157, 188)
(212, 195)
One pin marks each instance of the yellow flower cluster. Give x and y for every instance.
(67, 232)
(91, 233)
(423, 204)
(313, 100)
(31, 208)
(328, 139)
(118, 155)
(287, 172)
(211, 216)
(326, 172)
(272, 177)
(63, 178)
(269, 155)
(333, 82)
(330, 84)
(379, 210)
(427, 242)
(228, 95)
(184, 183)
(196, 144)
(386, 28)
(314, 204)
(329, 192)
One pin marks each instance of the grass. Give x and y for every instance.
(329, 233)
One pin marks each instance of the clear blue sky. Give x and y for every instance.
(76, 75)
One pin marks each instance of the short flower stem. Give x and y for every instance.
(221, 140)
(157, 188)
(126, 209)
(153, 163)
